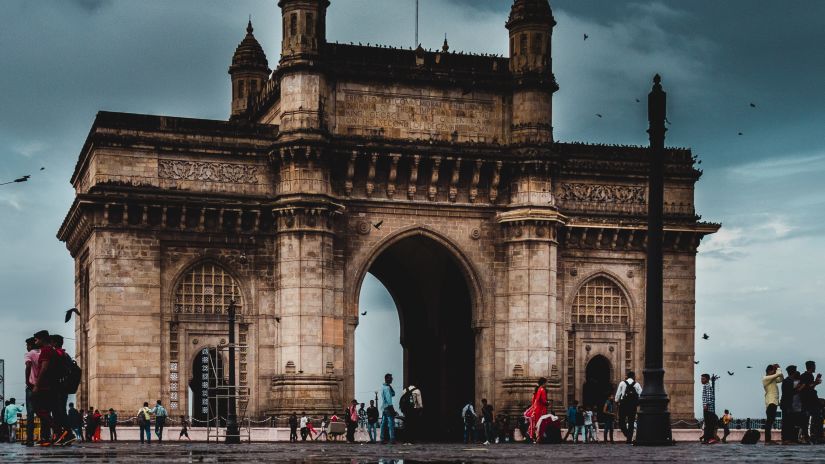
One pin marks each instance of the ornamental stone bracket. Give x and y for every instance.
(539, 224)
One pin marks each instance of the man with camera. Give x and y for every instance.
(810, 400)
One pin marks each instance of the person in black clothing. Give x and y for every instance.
(75, 421)
(487, 421)
(372, 421)
(790, 421)
(293, 428)
(810, 400)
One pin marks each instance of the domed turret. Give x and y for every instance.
(249, 71)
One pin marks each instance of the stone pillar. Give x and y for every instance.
(311, 323)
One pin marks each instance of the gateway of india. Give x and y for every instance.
(509, 256)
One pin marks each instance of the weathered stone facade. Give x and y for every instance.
(420, 167)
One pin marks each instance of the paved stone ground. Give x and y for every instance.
(357, 454)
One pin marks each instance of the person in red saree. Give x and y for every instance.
(537, 409)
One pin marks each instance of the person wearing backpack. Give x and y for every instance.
(61, 390)
(44, 395)
(627, 396)
(412, 407)
(469, 416)
(144, 417)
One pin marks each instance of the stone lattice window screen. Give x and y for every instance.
(600, 301)
(207, 289)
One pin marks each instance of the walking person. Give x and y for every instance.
(30, 360)
(372, 421)
(538, 408)
(709, 410)
(293, 428)
(10, 418)
(571, 419)
(578, 420)
(311, 429)
(468, 413)
(98, 421)
(770, 382)
(111, 422)
(352, 420)
(324, 425)
(810, 401)
(184, 428)
(76, 421)
(144, 416)
(487, 421)
(627, 396)
(160, 419)
(790, 431)
(726, 420)
(89, 419)
(388, 411)
(303, 425)
(609, 414)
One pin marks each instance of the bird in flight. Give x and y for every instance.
(705, 336)
(378, 225)
(364, 313)
(741, 133)
(638, 101)
(730, 373)
(277, 319)
(599, 115)
(69, 314)
(42, 168)
(750, 367)
(586, 37)
(695, 362)
(753, 105)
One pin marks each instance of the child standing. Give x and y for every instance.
(588, 425)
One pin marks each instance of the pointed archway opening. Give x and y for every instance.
(207, 382)
(597, 384)
(433, 300)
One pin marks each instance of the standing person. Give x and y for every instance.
(10, 419)
(293, 428)
(538, 408)
(303, 425)
(184, 428)
(609, 413)
(770, 382)
(468, 413)
(790, 434)
(324, 423)
(487, 421)
(4, 429)
(352, 420)
(588, 425)
(571, 419)
(362, 418)
(62, 361)
(30, 360)
(709, 410)
(98, 422)
(90, 424)
(76, 421)
(388, 411)
(111, 422)
(411, 407)
(810, 400)
(42, 396)
(160, 419)
(726, 420)
(578, 420)
(372, 421)
(144, 416)
(627, 396)
(311, 429)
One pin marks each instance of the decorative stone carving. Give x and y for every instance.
(413, 177)
(363, 227)
(209, 172)
(475, 234)
(599, 193)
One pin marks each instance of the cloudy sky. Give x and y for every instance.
(760, 280)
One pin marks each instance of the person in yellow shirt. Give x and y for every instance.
(726, 420)
(773, 378)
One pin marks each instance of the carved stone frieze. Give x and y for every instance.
(209, 172)
(600, 193)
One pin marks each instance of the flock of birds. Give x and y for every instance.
(707, 337)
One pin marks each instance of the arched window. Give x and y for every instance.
(207, 289)
(600, 301)
(537, 44)
(310, 24)
(293, 24)
(523, 45)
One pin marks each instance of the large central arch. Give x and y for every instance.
(434, 292)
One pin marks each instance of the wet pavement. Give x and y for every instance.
(175, 452)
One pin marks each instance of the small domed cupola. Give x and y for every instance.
(249, 71)
(531, 25)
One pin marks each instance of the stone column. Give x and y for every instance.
(311, 323)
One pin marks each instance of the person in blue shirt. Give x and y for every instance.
(12, 410)
(160, 419)
(388, 411)
(571, 419)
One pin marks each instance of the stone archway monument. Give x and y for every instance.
(436, 171)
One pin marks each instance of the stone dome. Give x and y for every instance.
(532, 11)
(249, 54)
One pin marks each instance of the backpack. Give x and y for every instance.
(405, 403)
(630, 399)
(66, 376)
(469, 417)
(751, 437)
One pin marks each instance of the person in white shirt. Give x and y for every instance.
(588, 425)
(303, 426)
(627, 396)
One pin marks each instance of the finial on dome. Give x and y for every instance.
(446, 46)
(249, 27)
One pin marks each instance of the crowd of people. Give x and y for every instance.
(793, 394)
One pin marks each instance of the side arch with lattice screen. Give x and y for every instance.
(600, 301)
(207, 289)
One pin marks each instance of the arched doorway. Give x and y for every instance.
(208, 380)
(433, 297)
(597, 384)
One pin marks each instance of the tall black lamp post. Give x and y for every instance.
(654, 417)
(233, 433)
